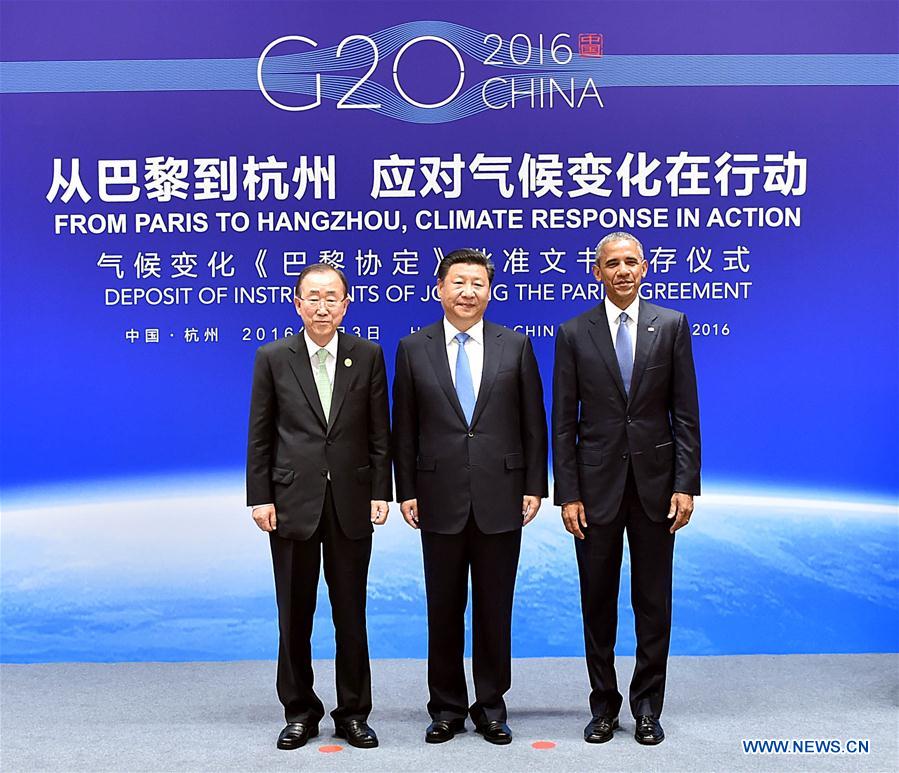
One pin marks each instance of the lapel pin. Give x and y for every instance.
(348, 362)
(650, 330)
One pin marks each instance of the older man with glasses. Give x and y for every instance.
(318, 477)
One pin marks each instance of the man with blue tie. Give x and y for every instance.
(470, 451)
(626, 457)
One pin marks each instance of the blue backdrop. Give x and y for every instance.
(128, 336)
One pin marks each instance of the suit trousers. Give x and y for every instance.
(493, 562)
(651, 548)
(296, 564)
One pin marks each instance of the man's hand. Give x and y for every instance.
(575, 518)
(409, 509)
(379, 511)
(529, 507)
(265, 517)
(681, 510)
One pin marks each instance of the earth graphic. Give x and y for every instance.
(176, 570)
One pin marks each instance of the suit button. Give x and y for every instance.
(628, 419)
(624, 456)
(330, 442)
(471, 434)
(467, 466)
(324, 473)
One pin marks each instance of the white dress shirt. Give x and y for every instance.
(613, 313)
(474, 348)
(330, 361)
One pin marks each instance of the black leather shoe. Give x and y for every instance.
(649, 732)
(295, 734)
(442, 730)
(600, 729)
(495, 732)
(357, 733)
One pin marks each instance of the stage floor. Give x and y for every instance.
(225, 716)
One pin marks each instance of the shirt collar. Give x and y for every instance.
(613, 312)
(476, 331)
(313, 347)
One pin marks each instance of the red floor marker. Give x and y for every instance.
(330, 749)
(543, 745)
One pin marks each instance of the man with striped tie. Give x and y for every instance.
(318, 477)
(626, 458)
(470, 451)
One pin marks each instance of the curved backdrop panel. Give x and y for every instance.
(168, 169)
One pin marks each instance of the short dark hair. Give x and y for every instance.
(465, 255)
(318, 268)
(618, 236)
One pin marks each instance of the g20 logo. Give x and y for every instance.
(522, 53)
(343, 103)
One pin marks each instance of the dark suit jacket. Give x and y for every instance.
(291, 449)
(451, 468)
(598, 431)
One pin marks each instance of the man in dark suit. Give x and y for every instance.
(470, 461)
(318, 477)
(626, 457)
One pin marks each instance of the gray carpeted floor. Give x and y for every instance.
(225, 716)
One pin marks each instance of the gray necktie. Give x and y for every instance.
(624, 352)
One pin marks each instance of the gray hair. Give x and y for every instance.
(618, 236)
(320, 268)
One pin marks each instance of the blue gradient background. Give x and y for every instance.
(800, 398)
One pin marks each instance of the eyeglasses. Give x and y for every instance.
(329, 303)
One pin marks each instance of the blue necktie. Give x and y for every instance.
(464, 384)
(624, 352)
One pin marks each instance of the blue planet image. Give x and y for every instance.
(176, 570)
